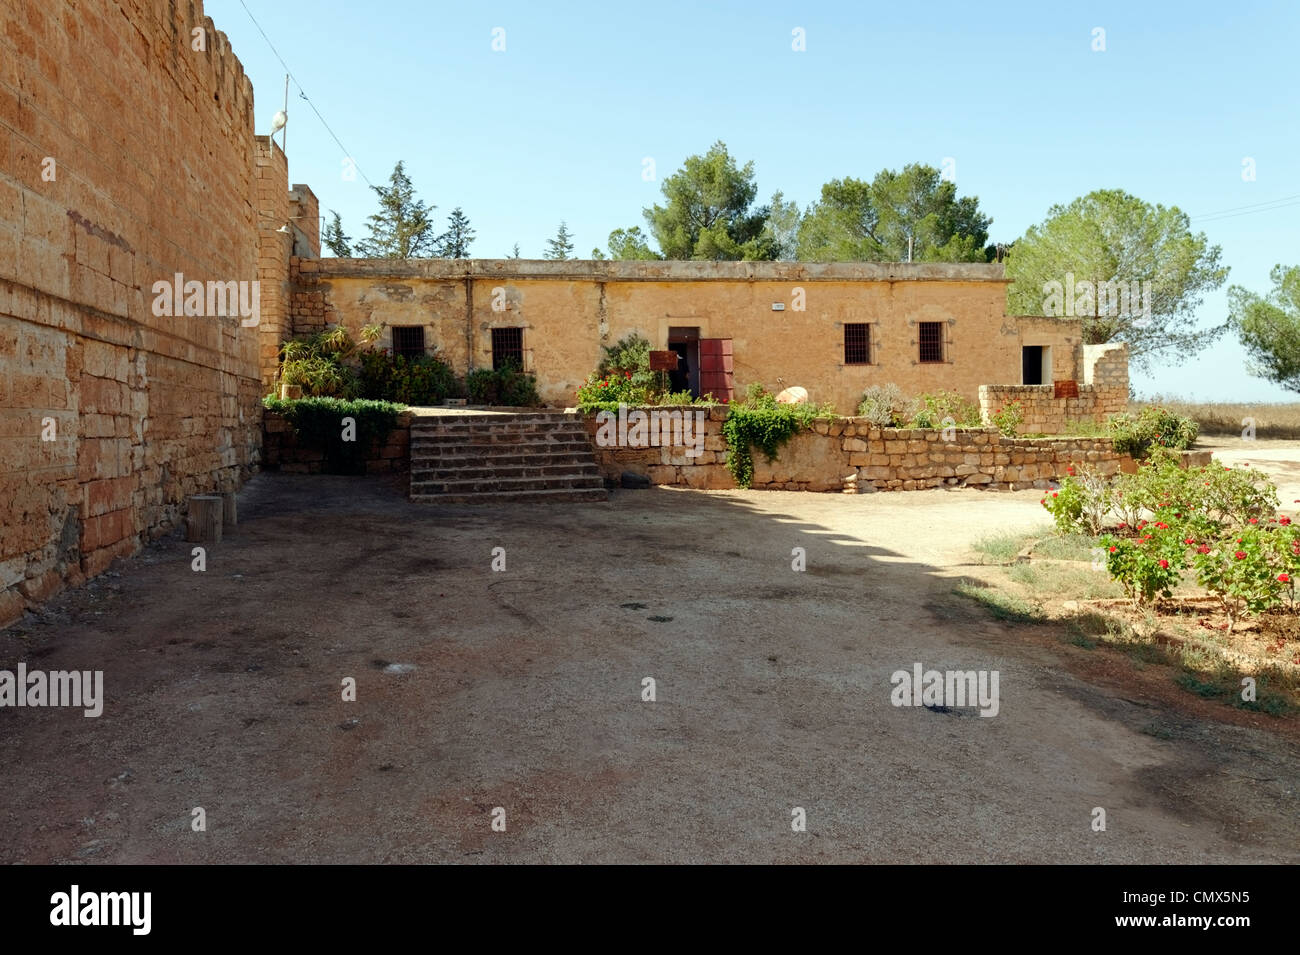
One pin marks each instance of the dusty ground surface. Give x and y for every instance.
(773, 692)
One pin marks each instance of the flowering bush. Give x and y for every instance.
(606, 393)
(1242, 571)
(1148, 565)
(1008, 418)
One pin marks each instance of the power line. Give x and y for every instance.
(303, 93)
(1280, 203)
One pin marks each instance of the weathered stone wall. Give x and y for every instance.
(126, 156)
(1046, 414)
(854, 456)
(569, 309)
(282, 450)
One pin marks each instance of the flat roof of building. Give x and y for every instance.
(658, 270)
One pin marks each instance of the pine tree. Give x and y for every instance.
(403, 226)
(514, 253)
(561, 245)
(334, 239)
(454, 243)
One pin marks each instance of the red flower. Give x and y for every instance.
(1113, 549)
(1069, 470)
(1284, 578)
(1053, 494)
(1240, 555)
(1123, 525)
(1162, 525)
(1164, 565)
(1203, 549)
(1141, 524)
(1284, 520)
(1254, 520)
(1189, 540)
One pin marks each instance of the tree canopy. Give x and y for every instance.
(857, 221)
(1269, 326)
(1129, 270)
(709, 211)
(403, 226)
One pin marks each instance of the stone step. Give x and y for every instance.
(465, 449)
(420, 475)
(498, 483)
(503, 458)
(551, 496)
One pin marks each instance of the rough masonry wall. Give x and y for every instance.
(854, 456)
(125, 157)
(570, 309)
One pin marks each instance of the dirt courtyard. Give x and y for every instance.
(522, 689)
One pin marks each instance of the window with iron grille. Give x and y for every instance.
(507, 348)
(408, 340)
(931, 337)
(857, 343)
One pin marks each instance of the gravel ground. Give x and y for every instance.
(522, 689)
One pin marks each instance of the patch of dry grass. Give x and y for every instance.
(1278, 420)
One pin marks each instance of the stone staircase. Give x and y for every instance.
(503, 457)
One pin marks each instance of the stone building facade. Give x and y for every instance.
(833, 329)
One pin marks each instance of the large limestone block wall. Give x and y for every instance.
(854, 456)
(126, 156)
(569, 310)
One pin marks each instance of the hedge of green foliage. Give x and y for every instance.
(319, 423)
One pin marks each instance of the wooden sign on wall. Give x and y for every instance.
(663, 361)
(1066, 389)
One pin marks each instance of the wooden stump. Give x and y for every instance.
(228, 512)
(203, 522)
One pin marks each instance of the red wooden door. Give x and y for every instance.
(716, 369)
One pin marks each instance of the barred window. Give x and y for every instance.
(408, 340)
(857, 343)
(931, 338)
(507, 348)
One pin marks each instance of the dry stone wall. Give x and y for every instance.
(852, 455)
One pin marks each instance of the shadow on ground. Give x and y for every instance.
(522, 690)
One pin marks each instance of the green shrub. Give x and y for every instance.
(759, 422)
(425, 380)
(1147, 565)
(318, 423)
(507, 386)
(323, 365)
(886, 406)
(1136, 434)
(943, 409)
(1008, 418)
(1242, 571)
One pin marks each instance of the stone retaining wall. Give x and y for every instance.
(852, 455)
(281, 450)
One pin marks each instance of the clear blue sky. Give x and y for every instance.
(556, 126)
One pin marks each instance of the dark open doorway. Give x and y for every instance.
(686, 342)
(1031, 365)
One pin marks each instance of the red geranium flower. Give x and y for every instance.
(1189, 540)
(1203, 549)
(1254, 520)
(1113, 549)
(1284, 520)
(1284, 578)
(1240, 555)
(1164, 564)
